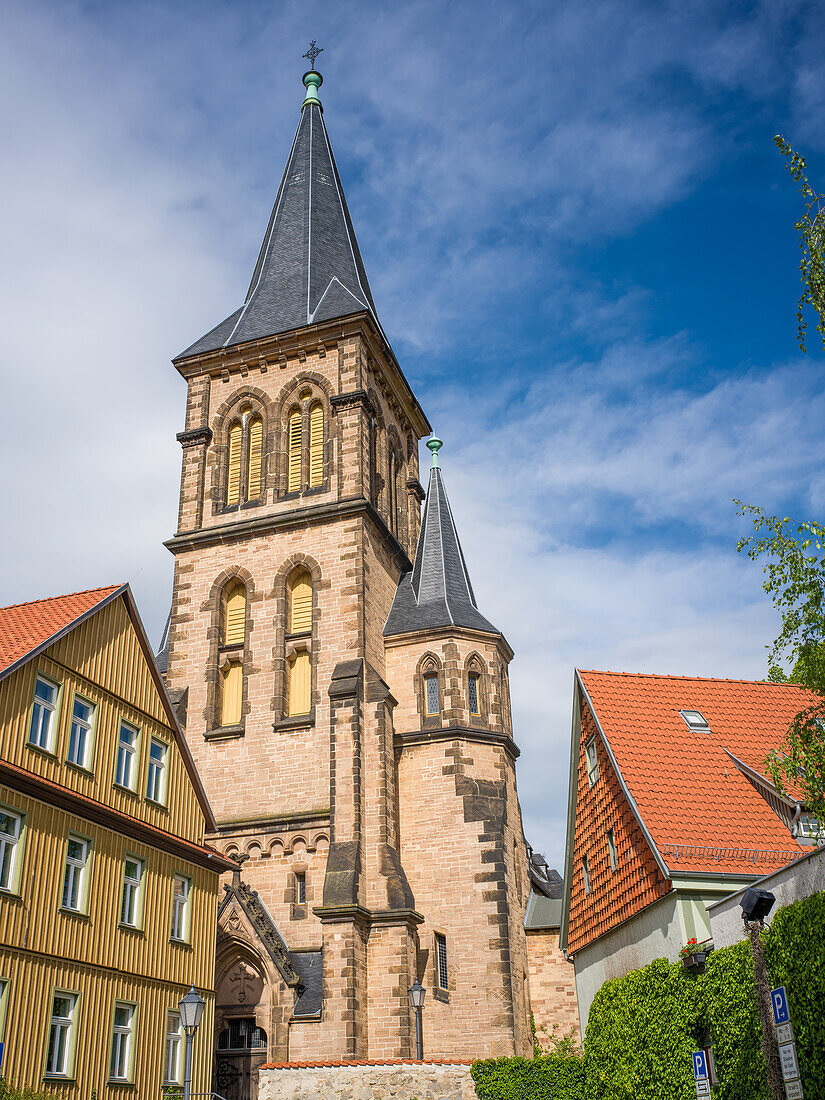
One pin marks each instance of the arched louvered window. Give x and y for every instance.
(316, 445)
(233, 476)
(300, 684)
(295, 442)
(300, 605)
(256, 440)
(233, 638)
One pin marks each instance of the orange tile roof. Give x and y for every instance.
(702, 813)
(26, 626)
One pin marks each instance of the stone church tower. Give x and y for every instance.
(346, 702)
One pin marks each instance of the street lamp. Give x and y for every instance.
(417, 993)
(191, 1010)
(756, 904)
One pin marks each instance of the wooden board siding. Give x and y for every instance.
(32, 978)
(102, 661)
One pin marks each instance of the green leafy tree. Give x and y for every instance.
(794, 570)
(811, 229)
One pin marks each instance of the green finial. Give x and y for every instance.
(312, 80)
(435, 444)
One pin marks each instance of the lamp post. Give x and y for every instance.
(756, 904)
(417, 993)
(191, 1010)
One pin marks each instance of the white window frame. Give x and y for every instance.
(173, 1049)
(41, 706)
(133, 887)
(87, 727)
(129, 753)
(612, 854)
(64, 1027)
(442, 981)
(122, 1046)
(156, 773)
(11, 848)
(180, 909)
(76, 869)
(591, 757)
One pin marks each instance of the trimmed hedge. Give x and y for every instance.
(548, 1077)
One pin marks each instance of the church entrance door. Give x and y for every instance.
(241, 1051)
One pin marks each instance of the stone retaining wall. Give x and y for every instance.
(367, 1081)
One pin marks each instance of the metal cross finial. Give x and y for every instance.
(312, 53)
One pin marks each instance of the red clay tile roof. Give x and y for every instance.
(26, 626)
(702, 813)
(371, 1062)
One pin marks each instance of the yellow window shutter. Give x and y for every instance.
(256, 439)
(233, 479)
(235, 621)
(232, 695)
(294, 476)
(300, 679)
(300, 616)
(316, 444)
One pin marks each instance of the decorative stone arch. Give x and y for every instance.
(218, 455)
(213, 605)
(284, 648)
(247, 986)
(303, 392)
(474, 663)
(429, 663)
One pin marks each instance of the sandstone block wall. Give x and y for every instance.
(552, 987)
(399, 1081)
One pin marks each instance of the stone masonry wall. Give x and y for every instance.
(399, 1081)
(552, 987)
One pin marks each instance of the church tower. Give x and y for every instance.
(379, 840)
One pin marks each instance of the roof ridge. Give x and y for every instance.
(674, 676)
(108, 589)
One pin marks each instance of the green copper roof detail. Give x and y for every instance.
(312, 82)
(435, 444)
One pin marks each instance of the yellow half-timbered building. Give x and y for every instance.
(108, 894)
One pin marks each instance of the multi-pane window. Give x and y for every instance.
(592, 761)
(130, 897)
(300, 888)
(611, 849)
(174, 1049)
(43, 708)
(74, 873)
(59, 1048)
(80, 734)
(180, 907)
(472, 693)
(441, 973)
(10, 826)
(126, 751)
(156, 776)
(586, 875)
(431, 698)
(120, 1062)
(242, 1034)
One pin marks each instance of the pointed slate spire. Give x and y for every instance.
(309, 268)
(438, 591)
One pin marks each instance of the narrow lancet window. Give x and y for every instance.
(294, 444)
(316, 445)
(256, 439)
(233, 477)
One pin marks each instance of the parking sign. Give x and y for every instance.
(780, 1005)
(700, 1064)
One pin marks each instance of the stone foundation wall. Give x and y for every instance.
(367, 1081)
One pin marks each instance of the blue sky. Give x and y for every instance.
(580, 240)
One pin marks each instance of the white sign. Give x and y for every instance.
(784, 1033)
(787, 1056)
(702, 1088)
(779, 1001)
(793, 1090)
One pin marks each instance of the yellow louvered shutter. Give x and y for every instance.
(300, 678)
(300, 618)
(256, 439)
(233, 478)
(232, 695)
(316, 444)
(294, 477)
(235, 623)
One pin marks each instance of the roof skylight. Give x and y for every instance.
(695, 720)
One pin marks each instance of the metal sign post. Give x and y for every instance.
(787, 1045)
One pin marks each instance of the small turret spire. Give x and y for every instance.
(435, 444)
